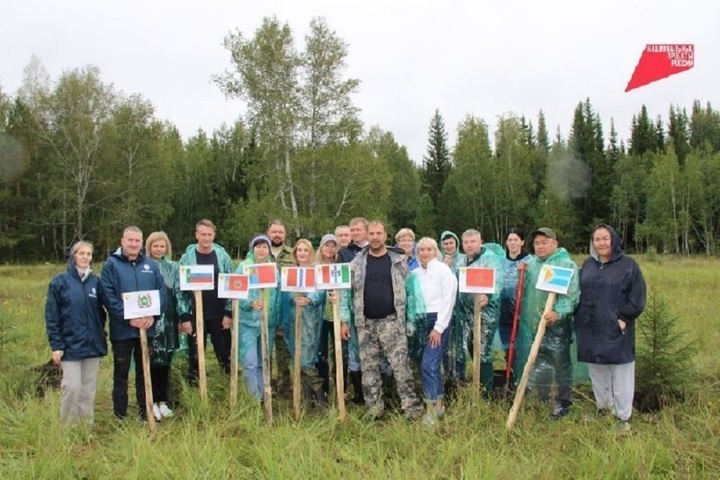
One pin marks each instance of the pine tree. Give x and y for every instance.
(664, 358)
(436, 164)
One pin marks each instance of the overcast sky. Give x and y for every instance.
(463, 57)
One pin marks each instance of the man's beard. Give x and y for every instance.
(276, 243)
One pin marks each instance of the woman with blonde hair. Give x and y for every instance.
(328, 253)
(165, 341)
(312, 304)
(439, 290)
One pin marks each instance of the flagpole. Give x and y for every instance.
(520, 393)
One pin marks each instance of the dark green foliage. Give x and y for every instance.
(436, 164)
(664, 360)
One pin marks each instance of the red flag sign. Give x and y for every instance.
(659, 61)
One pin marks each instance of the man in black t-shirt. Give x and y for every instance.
(217, 312)
(379, 303)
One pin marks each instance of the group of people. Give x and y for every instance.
(403, 308)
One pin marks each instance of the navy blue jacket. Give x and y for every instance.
(347, 254)
(74, 315)
(120, 275)
(610, 291)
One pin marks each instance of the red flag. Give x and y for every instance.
(266, 273)
(238, 283)
(292, 277)
(480, 277)
(661, 61)
(309, 277)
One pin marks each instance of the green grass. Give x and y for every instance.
(213, 441)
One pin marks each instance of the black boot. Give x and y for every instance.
(356, 379)
(324, 371)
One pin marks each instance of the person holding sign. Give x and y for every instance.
(328, 254)
(613, 296)
(127, 269)
(217, 312)
(480, 255)
(439, 289)
(553, 360)
(295, 281)
(380, 303)
(75, 323)
(165, 341)
(250, 321)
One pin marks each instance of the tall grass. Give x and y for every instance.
(213, 441)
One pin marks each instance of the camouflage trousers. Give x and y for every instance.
(283, 359)
(386, 338)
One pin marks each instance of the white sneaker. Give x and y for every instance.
(165, 411)
(156, 413)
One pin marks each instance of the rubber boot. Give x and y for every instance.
(356, 379)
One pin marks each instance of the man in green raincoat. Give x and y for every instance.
(481, 255)
(554, 361)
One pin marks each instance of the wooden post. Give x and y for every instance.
(520, 393)
(267, 388)
(235, 334)
(296, 359)
(148, 381)
(477, 345)
(200, 337)
(339, 379)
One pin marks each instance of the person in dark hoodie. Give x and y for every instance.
(612, 297)
(127, 269)
(75, 323)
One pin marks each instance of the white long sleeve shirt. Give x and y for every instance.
(439, 288)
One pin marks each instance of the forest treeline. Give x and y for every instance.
(82, 159)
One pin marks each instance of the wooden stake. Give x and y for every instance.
(520, 393)
(296, 360)
(200, 337)
(339, 379)
(235, 334)
(148, 381)
(477, 345)
(267, 388)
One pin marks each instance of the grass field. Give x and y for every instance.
(213, 441)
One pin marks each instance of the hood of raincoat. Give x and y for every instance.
(615, 243)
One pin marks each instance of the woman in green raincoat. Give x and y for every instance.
(250, 350)
(312, 318)
(165, 341)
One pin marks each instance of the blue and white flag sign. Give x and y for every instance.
(554, 279)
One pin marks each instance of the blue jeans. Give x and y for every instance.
(252, 370)
(431, 361)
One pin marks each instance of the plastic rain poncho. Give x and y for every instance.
(165, 341)
(312, 318)
(491, 256)
(554, 356)
(250, 319)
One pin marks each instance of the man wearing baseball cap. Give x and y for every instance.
(553, 363)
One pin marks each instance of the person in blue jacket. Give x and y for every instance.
(612, 297)
(127, 269)
(75, 323)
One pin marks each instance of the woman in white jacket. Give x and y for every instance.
(439, 289)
